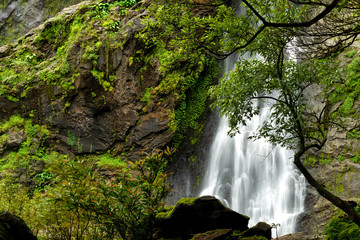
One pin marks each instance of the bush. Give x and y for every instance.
(123, 206)
(342, 228)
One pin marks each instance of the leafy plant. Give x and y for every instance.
(101, 9)
(42, 179)
(71, 139)
(124, 205)
(342, 228)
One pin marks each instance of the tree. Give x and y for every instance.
(322, 26)
(293, 123)
(269, 29)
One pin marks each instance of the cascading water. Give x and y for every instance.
(253, 177)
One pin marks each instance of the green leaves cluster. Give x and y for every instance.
(102, 9)
(193, 105)
(342, 228)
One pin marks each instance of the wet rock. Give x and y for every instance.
(14, 228)
(23, 176)
(2, 148)
(198, 215)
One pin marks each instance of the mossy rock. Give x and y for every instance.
(197, 215)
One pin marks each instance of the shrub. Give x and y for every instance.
(342, 228)
(123, 206)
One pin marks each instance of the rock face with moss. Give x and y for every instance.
(17, 17)
(92, 81)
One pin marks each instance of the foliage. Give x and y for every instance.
(81, 204)
(125, 205)
(193, 105)
(102, 9)
(14, 199)
(256, 79)
(42, 179)
(342, 228)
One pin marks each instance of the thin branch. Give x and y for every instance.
(268, 97)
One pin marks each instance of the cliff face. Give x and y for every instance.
(17, 17)
(95, 84)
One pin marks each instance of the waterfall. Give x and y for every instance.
(253, 177)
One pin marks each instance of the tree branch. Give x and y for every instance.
(327, 10)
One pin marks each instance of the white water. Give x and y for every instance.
(254, 178)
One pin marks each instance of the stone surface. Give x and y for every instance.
(18, 17)
(14, 228)
(191, 216)
(190, 163)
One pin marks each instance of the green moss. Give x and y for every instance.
(111, 161)
(346, 106)
(186, 201)
(166, 212)
(147, 97)
(355, 159)
(324, 161)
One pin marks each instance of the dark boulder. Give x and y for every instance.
(14, 228)
(260, 229)
(198, 215)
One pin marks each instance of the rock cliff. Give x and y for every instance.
(92, 82)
